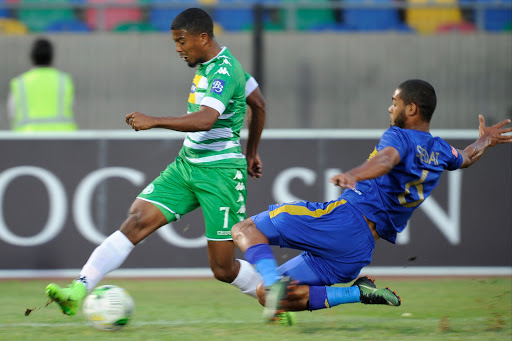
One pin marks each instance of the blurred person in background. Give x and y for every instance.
(41, 99)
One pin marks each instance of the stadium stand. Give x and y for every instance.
(112, 17)
(72, 25)
(161, 17)
(426, 20)
(12, 26)
(4, 12)
(496, 19)
(138, 27)
(374, 19)
(37, 18)
(422, 16)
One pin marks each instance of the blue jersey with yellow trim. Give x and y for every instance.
(389, 200)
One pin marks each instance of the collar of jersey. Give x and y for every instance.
(223, 48)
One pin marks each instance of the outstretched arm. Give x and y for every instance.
(255, 126)
(380, 164)
(201, 120)
(488, 137)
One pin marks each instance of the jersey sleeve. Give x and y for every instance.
(455, 160)
(250, 84)
(393, 138)
(222, 83)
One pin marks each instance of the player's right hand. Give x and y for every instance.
(139, 121)
(345, 180)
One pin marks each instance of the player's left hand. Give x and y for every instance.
(254, 166)
(494, 133)
(139, 121)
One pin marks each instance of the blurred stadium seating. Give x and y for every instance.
(68, 25)
(496, 19)
(4, 12)
(420, 16)
(159, 16)
(37, 17)
(112, 16)
(12, 26)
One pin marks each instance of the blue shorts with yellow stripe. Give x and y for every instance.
(334, 236)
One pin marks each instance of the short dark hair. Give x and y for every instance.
(422, 94)
(193, 20)
(42, 52)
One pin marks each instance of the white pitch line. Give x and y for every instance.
(207, 273)
(249, 322)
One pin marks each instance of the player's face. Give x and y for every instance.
(189, 46)
(397, 111)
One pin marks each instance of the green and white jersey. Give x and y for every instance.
(220, 84)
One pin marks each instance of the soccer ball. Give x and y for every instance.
(108, 307)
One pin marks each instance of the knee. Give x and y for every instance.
(140, 223)
(239, 230)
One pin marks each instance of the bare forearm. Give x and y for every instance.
(474, 151)
(373, 168)
(255, 127)
(182, 123)
(201, 120)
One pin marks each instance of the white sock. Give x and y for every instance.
(107, 257)
(248, 278)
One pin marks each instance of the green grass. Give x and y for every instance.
(177, 309)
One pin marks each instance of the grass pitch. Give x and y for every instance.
(178, 309)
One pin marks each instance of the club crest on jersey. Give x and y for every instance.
(209, 68)
(218, 86)
(149, 189)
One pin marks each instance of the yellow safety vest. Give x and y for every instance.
(44, 98)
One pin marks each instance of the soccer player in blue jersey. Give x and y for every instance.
(338, 237)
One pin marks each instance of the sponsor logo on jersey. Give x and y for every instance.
(218, 86)
(193, 88)
(222, 71)
(225, 61)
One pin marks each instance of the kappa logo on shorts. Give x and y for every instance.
(149, 189)
(238, 176)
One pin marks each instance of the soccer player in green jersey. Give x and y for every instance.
(210, 170)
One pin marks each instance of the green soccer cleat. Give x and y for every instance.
(274, 297)
(370, 294)
(285, 318)
(68, 298)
